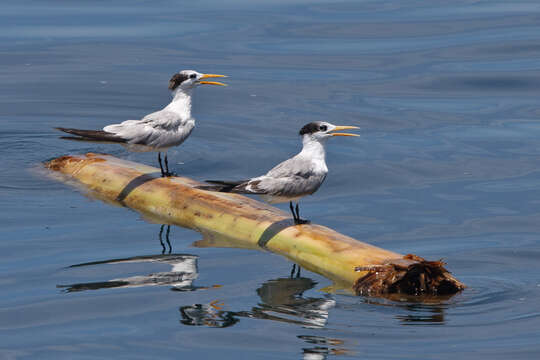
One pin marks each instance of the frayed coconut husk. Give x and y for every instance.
(410, 275)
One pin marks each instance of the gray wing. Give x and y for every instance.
(295, 165)
(159, 129)
(291, 178)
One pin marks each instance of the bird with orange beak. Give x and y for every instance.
(294, 178)
(157, 131)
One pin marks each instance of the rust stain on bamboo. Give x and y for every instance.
(64, 161)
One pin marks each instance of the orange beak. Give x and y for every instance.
(337, 128)
(206, 76)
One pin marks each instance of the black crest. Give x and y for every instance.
(176, 80)
(310, 128)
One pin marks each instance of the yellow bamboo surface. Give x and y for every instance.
(225, 220)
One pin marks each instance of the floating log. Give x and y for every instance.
(234, 220)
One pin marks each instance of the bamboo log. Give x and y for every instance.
(233, 220)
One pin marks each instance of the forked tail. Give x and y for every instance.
(220, 185)
(91, 135)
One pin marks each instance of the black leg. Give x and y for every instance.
(292, 210)
(167, 172)
(292, 270)
(160, 165)
(167, 237)
(298, 272)
(161, 239)
(297, 219)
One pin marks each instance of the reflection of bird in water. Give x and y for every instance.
(181, 276)
(209, 315)
(281, 300)
(157, 131)
(164, 249)
(323, 347)
(297, 271)
(294, 178)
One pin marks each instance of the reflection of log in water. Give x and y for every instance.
(180, 278)
(430, 311)
(422, 313)
(252, 224)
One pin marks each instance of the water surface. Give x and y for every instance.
(447, 167)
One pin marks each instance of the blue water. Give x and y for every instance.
(446, 93)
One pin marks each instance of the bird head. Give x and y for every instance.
(188, 79)
(320, 131)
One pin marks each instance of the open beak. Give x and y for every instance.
(337, 128)
(206, 76)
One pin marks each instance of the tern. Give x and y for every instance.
(294, 178)
(157, 131)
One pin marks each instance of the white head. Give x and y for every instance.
(321, 131)
(187, 79)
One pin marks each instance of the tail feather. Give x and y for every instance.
(220, 185)
(92, 135)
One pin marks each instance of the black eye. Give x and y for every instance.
(323, 128)
(192, 76)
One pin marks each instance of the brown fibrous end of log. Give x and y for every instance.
(59, 163)
(411, 275)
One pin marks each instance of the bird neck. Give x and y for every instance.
(181, 103)
(313, 149)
